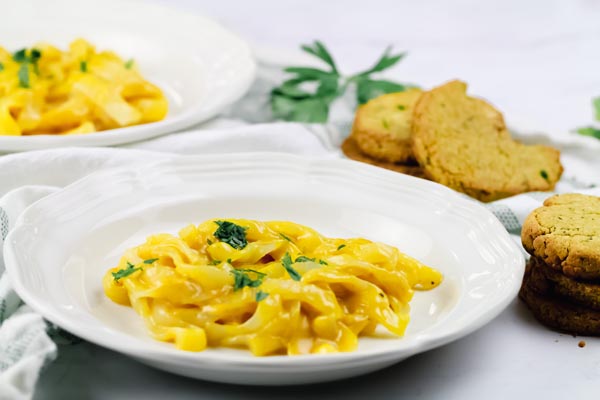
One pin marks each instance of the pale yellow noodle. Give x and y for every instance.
(184, 288)
(78, 91)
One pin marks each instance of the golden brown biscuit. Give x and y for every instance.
(584, 293)
(463, 143)
(556, 312)
(565, 234)
(352, 151)
(382, 126)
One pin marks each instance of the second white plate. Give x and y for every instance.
(62, 246)
(201, 67)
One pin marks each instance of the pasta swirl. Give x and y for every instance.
(272, 287)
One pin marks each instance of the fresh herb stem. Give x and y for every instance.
(232, 234)
(290, 101)
(124, 272)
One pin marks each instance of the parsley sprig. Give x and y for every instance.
(291, 100)
(123, 272)
(25, 59)
(232, 234)
(590, 130)
(260, 295)
(242, 278)
(287, 262)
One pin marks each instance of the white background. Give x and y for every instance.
(537, 61)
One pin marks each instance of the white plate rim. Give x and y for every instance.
(244, 66)
(269, 363)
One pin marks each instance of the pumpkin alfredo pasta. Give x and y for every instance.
(44, 90)
(272, 287)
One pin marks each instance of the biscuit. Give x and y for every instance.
(556, 312)
(583, 293)
(565, 234)
(352, 151)
(382, 126)
(462, 142)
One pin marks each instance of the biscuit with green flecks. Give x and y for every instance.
(585, 293)
(462, 142)
(352, 151)
(382, 126)
(556, 312)
(565, 234)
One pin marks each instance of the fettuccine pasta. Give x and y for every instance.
(272, 287)
(44, 90)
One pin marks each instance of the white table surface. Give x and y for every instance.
(537, 61)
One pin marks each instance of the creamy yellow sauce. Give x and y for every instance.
(272, 287)
(44, 90)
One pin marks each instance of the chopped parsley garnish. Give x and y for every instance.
(215, 262)
(150, 261)
(341, 246)
(122, 273)
(286, 261)
(24, 76)
(25, 60)
(260, 295)
(1, 67)
(323, 262)
(20, 55)
(209, 241)
(401, 107)
(35, 55)
(241, 278)
(83, 66)
(304, 259)
(285, 237)
(544, 174)
(129, 63)
(232, 234)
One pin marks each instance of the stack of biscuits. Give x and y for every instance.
(451, 138)
(561, 285)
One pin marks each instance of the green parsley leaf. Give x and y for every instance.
(23, 75)
(241, 278)
(318, 49)
(341, 246)
(260, 295)
(310, 74)
(150, 261)
(304, 259)
(286, 261)
(323, 262)
(1, 67)
(20, 56)
(292, 101)
(386, 61)
(83, 67)
(544, 174)
(209, 241)
(232, 234)
(311, 110)
(129, 63)
(367, 89)
(596, 103)
(35, 55)
(215, 262)
(123, 272)
(285, 237)
(589, 131)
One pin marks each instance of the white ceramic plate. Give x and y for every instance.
(201, 67)
(63, 244)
